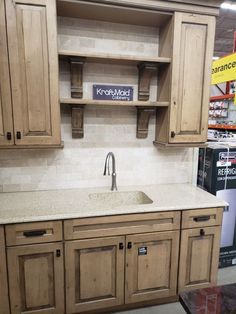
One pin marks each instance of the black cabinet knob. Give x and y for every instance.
(129, 245)
(172, 134)
(9, 136)
(18, 135)
(121, 246)
(202, 232)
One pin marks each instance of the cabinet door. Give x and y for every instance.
(36, 277)
(94, 274)
(151, 266)
(6, 126)
(199, 258)
(4, 302)
(191, 74)
(32, 38)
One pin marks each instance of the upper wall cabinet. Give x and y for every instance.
(6, 127)
(32, 44)
(185, 121)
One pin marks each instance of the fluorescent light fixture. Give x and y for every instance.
(215, 58)
(229, 6)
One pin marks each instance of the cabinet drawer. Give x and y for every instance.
(36, 232)
(202, 217)
(120, 225)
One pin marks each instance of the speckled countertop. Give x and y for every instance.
(19, 207)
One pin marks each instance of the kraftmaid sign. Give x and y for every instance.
(113, 92)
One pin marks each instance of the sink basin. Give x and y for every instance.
(121, 198)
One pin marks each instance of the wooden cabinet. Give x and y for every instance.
(199, 258)
(186, 120)
(36, 277)
(6, 126)
(4, 303)
(151, 266)
(32, 46)
(94, 274)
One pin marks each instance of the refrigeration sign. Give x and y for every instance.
(113, 92)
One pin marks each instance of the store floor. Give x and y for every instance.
(226, 276)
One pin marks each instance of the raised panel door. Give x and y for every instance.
(36, 276)
(32, 37)
(199, 258)
(6, 124)
(191, 73)
(94, 274)
(151, 266)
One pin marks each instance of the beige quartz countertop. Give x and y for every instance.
(19, 207)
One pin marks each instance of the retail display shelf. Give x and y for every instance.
(77, 101)
(222, 97)
(222, 126)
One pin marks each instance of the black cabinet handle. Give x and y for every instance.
(172, 134)
(34, 233)
(9, 136)
(58, 253)
(202, 232)
(18, 135)
(129, 245)
(202, 218)
(121, 246)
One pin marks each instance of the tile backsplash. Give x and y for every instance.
(81, 162)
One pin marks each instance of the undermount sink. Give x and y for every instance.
(121, 198)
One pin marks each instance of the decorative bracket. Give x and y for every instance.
(143, 117)
(146, 71)
(77, 121)
(76, 75)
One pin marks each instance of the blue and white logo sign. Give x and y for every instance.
(113, 92)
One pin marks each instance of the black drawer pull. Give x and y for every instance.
(58, 253)
(202, 218)
(121, 246)
(202, 232)
(18, 135)
(34, 233)
(129, 245)
(9, 136)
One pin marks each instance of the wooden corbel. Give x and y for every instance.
(146, 71)
(76, 75)
(77, 121)
(143, 117)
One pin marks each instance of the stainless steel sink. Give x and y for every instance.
(121, 198)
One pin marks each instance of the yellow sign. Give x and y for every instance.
(224, 69)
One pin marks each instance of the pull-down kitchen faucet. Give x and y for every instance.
(107, 169)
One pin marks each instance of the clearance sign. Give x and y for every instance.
(224, 69)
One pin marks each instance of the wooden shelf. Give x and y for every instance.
(178, 145)
(77, 101)
(222, 97)
(114, 58)
(222, 127)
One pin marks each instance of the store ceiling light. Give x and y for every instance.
(228, 5)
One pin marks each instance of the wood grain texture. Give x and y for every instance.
(36, 279)
(15, 233)
(213, 217)
(152, 275)
(120, 225)
(199, 256)
(4, 300)
(94, 274)
(191, 72)
(6, 123)
(32, 38)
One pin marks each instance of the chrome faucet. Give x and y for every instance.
(107, 169)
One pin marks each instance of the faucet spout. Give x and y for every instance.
(111, 156)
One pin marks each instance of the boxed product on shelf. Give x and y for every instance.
(217, 175)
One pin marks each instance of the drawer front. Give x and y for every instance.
(36, 232)
(120, 225)
(202, 218)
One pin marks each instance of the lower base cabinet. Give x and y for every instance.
(36, 279)
(4, 303)
(94, 273)
(199, 258)
(151, 266)
(96, 270)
